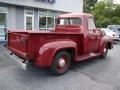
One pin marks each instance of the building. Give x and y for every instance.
(34, 14)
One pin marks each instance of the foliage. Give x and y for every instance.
(88, 5)
(106, 12)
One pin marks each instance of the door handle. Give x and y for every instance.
(92, 37)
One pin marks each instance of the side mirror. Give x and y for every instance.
(101, 31)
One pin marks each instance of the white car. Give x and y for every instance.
(111, 33)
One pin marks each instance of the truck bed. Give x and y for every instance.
(27, 43)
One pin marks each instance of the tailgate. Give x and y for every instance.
(17, 43)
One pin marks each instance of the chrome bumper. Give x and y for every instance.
(19, 62)
(116, 39)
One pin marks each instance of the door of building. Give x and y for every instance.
(29, 22)
(3, 25)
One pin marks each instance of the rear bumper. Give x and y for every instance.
(23, 64)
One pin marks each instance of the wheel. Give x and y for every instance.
(104, 54)
(61, 63)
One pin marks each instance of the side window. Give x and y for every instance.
(91, 24)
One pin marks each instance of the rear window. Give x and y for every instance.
(69, 21)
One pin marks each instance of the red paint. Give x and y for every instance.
(41, 46)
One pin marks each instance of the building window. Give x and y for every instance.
(29, 19)
(42, 22)
(3, 22)
(50, 22)
(47, 19)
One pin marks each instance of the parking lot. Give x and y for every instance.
(93, 74)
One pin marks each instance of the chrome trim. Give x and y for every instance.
(20, 62)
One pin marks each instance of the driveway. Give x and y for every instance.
(93, 74)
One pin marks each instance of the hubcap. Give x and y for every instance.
(105, 50)
(61, 62)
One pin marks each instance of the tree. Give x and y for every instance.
(116, 10)
(88, 5)
(106, 12)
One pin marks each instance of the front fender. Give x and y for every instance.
(104, 41)
(47, 51)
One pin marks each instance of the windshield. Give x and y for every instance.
(109, 30)
(115, 28)
(69, 21)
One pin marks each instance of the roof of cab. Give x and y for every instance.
(74, 15)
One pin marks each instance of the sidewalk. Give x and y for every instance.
(2, 43)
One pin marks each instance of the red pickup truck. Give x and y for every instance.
(75, 38)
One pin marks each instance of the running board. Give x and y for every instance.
(87, 56)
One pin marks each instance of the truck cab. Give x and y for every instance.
(75, 38)
(84, 25)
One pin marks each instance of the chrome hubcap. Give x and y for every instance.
(105, 50)
(61, 62)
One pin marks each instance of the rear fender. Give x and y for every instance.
(47, 51)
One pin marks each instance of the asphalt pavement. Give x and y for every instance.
(92, 74)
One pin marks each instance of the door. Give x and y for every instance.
(93, 36)
(29, 22)
(3, 25)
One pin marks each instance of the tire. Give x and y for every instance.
(105, 52)
(61, 63)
